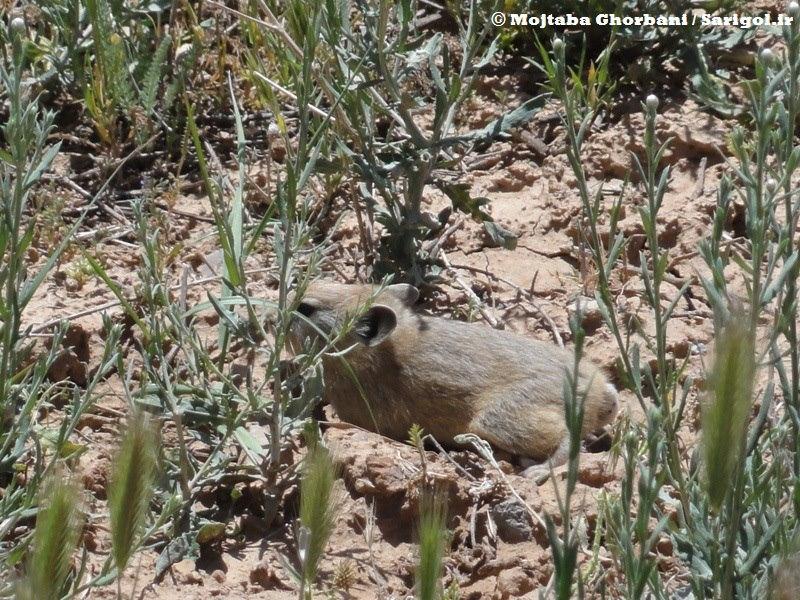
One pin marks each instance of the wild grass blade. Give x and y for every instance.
(55, 538)
(319, 504)
(131, 487)
(432, 541)
(726, 410)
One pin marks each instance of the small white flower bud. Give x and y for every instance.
(18, 25)
(651, 102)
(558, 45)
(793, 10)
(767, 56)
(771, 185)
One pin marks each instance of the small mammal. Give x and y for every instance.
(449, 377)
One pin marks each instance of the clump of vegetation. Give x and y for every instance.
(379, 81)
(719, 503)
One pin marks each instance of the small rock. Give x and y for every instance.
(71, 361)
(591, 317)
(264, 574)
(90, 422)
(186, 572)
(218, 576)
(698, 348)
(193, 578)
(684, 593)
(513, 583)
(594, 472)
(95, 478)
(277, 151)
(681, 349)
(514, 524)
(664, 546)
(90, 539)
(72, 284)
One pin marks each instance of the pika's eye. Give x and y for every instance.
(305, 309)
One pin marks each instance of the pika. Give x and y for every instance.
(449, 377)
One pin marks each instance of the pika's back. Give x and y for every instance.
(449, 377)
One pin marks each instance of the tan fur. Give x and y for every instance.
(447, 376)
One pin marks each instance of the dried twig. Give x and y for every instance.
(437, 253)
(276, 86)
(530, 298)
(447, 456)
(446, 234)
(490, 318)
(701, 178)
(485, 450)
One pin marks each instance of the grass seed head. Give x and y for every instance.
(727, 407)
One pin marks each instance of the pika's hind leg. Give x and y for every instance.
(540, 471)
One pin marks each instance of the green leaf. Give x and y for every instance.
(462, 201)
(779, 281)
(44, 164)
(154, 72)
(210, 532)
(500, 236)
(520, 115)
(246, 439)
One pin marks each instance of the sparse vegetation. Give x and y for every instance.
(173, 175)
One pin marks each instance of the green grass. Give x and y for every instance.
(319, 506)
(55, 540)
(433, 538)
(131, 487)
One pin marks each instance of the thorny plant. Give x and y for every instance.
(730, 511)
(377, 72)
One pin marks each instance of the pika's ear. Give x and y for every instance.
(375, 325)
(406, 293)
